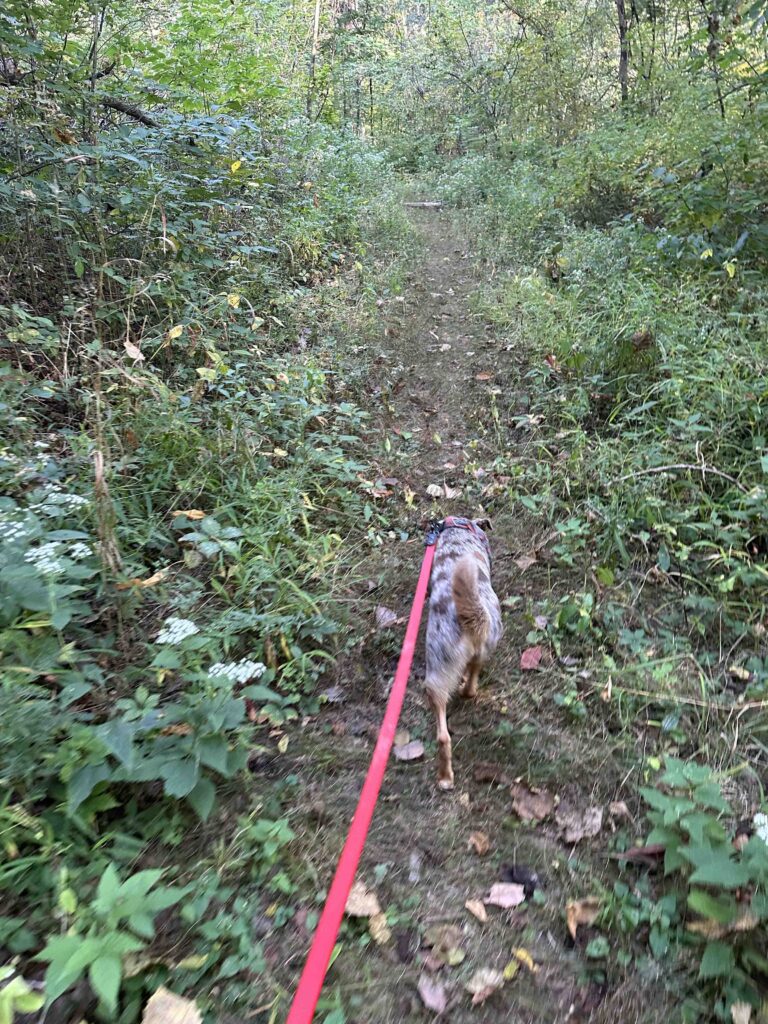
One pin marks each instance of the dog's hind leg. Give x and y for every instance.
(439, 703)
(469, 682)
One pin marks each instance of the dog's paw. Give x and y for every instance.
(445, 784)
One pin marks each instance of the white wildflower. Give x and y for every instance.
(44, 559)
(760, 821)
(13, 530)
(79, 550)
(238, 671)
(175, 630)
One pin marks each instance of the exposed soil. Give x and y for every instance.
(440, 382)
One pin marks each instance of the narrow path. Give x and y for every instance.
(439, 374)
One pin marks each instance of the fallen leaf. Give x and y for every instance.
(525, 562)
(444, 940)
(741, 1013)
(402, 736)
(650, 854)
(282, 744)
(190, 513)
(432, 992)
(541, 622)
(530, 658)
(234, 167)
(385, 617)
(435, 491)
(134, 352)
(618, 809)
(377, 926)
(576, 824)
(445, 347)
(477, 908)
(531, 804)
(506, 895)
(452, 492)
(522, 956)
(150, 581)
(361, 902)
(165, 1007)
(740, 673)
(409, 751)
(483, 983)
(479, 842)
(483, 376)
(414, 866)
(233, 300)
(583, 911)
(334, 695)
(745, 922)
(175, 332)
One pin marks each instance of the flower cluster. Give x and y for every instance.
(238, 671)
(79, 550)
(44, 558)
(175, 630)
(14, 530)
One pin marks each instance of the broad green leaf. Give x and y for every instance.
(181, 776)
(202, 798)
(717, 961)
(717, 908)
(715, 866)
(104, 974)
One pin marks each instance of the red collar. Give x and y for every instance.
(460, 523)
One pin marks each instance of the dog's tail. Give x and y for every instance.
(470, 610)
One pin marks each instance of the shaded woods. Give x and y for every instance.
(247, 252)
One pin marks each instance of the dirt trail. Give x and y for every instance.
(440, 422)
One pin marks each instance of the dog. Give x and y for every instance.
(464, 624)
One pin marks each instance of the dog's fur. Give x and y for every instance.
(463, 630)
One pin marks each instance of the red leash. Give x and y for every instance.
(311, 982)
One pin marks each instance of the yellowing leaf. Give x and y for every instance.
(581, 912)
(257, 322)
(707, 254)
(479, 842)
(377, 926)
(361, 902)
(730, 268)
(164, 1007)
(477, 908)
(483, 984)
(190, 513)
(511, 970)
(280, 453)
(176, 332)
(151, 581)
(282, 744)
(236, 166)
(233, 300)
(524, 957)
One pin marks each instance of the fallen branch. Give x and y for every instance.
(432, 205)
(130, 110)
(698, 467)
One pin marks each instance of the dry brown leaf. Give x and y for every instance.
(134, 352)
(444, 940)
(583, 911)
(190, 513)
(361, 902)
(412, 751)
(435, 491)
(525, 562)
(432, 992)
(576, 824)
(379, 929)
(531, 804)
(483, 983)
(506, 895)
(530, 658)
(402, 736)
(477, 908)
(710, 929)
(619, 809)
(165, 1007)
(150, 581)
(479, 842)
(452, 492)
(483, 376)
(385, 617)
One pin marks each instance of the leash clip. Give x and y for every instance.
(436, 527)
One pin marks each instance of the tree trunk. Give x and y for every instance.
(623, 50)
(313, 57)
